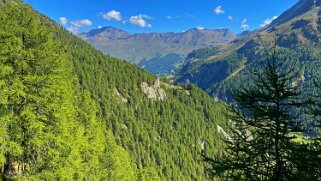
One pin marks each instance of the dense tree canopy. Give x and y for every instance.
(69, 112)
(46, 132)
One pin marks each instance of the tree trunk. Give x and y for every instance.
(278, 168)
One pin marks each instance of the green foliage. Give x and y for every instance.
(163, 135)
(316, 106)
(68, 112)
(299, 38)
(48, 130)
(260, 146)
(37, 106)
(220, 80)
(147, 174)
(118, 161)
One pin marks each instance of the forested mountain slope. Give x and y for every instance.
(69, 112)
(297, 32)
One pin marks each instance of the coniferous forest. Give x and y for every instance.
(69, 112)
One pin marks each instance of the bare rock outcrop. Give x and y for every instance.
(120, 96)
(221, 130)
(155, 91)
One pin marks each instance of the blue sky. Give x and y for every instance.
(137, 16)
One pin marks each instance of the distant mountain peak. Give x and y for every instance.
(109, 28)
(205, 29)
(244, 33)
(105, 29)
(200, 28)
(159, 53)
(107, 32)
(223, 32)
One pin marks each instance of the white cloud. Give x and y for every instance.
(218, 10)
(185, 15)
(81, 23)
(244, 24)
(268, 21)
(200, 28)
(63, 20)
(113, 15)
(77, 24)
(230, 18)
(140, 20)
(99, 27)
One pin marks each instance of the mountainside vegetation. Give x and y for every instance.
(262, 144)
(49, 128)
(68, 112)
(296, 32)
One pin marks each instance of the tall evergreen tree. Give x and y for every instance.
(93, 142)
(37, 104)
(118, 161)
(259, 145)
(316, 108)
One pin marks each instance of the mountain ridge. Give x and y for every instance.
(110, 31)
(150, 49)
(113, 28)
(297, 32)
(298, 9)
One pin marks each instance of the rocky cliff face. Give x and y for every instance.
(155, 91)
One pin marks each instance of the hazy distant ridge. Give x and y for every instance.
(155, 46)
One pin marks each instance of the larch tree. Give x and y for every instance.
(37, 108)
(260, 145)
(93, 144)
